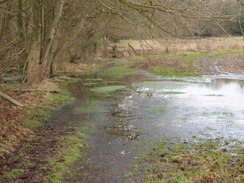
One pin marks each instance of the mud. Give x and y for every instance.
(222, 64)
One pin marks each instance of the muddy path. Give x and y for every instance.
(146, 108)
(125, 114)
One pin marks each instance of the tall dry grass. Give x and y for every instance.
(191, 44)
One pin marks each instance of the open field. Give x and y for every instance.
(176, 45)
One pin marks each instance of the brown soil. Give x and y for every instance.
(23, 147)
(222, 64)
(12, 131)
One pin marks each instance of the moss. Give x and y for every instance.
(107, 89)
(13, 173)
(121, 69)
(32, 123)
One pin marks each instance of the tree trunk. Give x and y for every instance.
(50, 35)
(39, 61)
(33, 64)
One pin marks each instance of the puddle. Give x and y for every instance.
(145, 106)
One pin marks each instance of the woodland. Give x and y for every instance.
(77, 76)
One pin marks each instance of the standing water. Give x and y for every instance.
(135, 107)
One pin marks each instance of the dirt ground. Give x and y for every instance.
(222, 64)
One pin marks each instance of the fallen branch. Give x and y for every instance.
(10, 99)
(33, 90)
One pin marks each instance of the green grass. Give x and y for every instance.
(195, 161)
(40, 114)
(94, 79)
(62, 96)
(187, 56)
(13, 173)
(32, 123)
(170, 71)
(91, 84)
(174, 72)
(190, 55)
(107, 89)
(62, 162)
(121, 69)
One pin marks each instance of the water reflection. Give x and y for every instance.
(219, 83)
(154, 107)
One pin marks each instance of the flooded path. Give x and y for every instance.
(123, 111)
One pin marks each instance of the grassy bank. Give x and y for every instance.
(50, 144)
(61, 163)
(180, 64)
(205, 161)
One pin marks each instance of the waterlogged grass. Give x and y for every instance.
(174, 72)
(172, 93)
(94, 79)
(66, 157)
(214, 95)
(195, 161)
(92, 102)
(91, 84)
(107, 89)
(63, 96)
(121, 69)
(163, 85)
(32, 123)
(85, 109)
(156, 110)
(13, 173)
